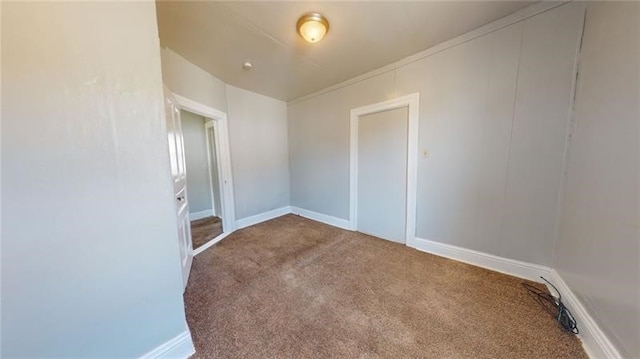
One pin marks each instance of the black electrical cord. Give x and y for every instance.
(554, 306)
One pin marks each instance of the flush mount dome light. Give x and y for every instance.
(312, 27)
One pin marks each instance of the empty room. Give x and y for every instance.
(329, 179)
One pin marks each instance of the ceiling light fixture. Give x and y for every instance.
(312, 27)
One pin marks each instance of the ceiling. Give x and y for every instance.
(220, 36)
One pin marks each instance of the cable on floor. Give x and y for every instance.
(554, 306)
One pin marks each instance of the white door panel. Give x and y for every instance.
(179, 175)
(382, 174)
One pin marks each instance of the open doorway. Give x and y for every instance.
(203, 183)
(208, 174)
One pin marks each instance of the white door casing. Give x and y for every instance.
(213, 168)
(223, 154)
(179, 176)
(412, 102)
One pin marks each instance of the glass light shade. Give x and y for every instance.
(312, 27)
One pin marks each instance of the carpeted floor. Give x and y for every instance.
(295, 288)
(205, 229)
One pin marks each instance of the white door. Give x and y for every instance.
(179, 175)
(382, 174)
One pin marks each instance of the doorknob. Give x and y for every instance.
(180, 198)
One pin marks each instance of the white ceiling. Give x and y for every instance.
(220, 36)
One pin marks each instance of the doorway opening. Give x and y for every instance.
(203, 181)
(208, 172)
(383, 169)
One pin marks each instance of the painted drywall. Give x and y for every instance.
(192, 82)
(546, 74)
(195, 153)
(493, 114)
(319, 144)
(90, 261)
(466, 111)
(259, 152)
(597, 253)
(257, 131)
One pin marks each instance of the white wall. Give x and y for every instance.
(319, 144)
(546, 73)
(86, 190)
(195, 151)
(258, 134)
(259, 149)
(597, 253)
(192, 82)
(493, 114)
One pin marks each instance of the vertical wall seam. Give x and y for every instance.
(513, 120)
(484, 131)
(571, 127)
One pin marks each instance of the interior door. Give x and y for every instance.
(382, 174)
(179, 175)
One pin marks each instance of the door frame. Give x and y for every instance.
(412, 102)
(211, 124)
(224, 164)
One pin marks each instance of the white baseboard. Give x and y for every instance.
(332, 221)
(594, 341)
(179, 347)
(512, 267)
(250, 221)
(199, 215)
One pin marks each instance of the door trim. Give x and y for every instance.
(411, 101)
(208, 124)
(224, 164)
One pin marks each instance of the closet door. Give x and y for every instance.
(382, 174)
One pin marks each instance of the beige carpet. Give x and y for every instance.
(205, 229)
(295, 288)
